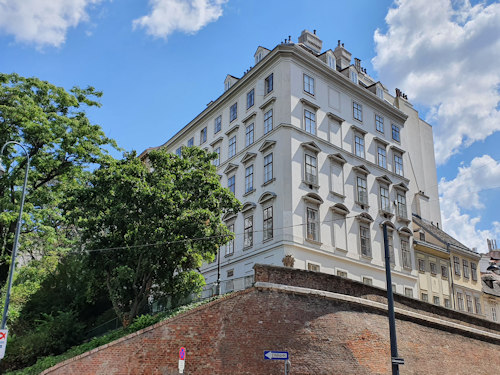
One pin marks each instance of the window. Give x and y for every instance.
(421, 265)
(178, 152)
(395, 133)
(203, 135)
(473, 269)
(447, 303)
(477, 302)
(362, 192)
(390, 242)
(398, 164)
(456, 265)
(422, 236)
(341, 273)
(310, 121)
(435, 299)
(402, 206)
(313, 267)
(249, 179)
(191, 142)
(364, 237)
(308, 84)
(359, 145)
(468, 298)
(312, 224)
(217, 124)
(357, 111)
(409, 292)
(433, 268)
(231, 184)
(268, 168)
(380, 93)
(494, 313)
(367, 280)
(444, 271)
(460, 301)
(233, 112)
(268, 121)
(268, 84)
(268, 223)
(331, 62)
(248, 232)
(217, 159)
(311, 169)
(466, 268)
(354, 77)
(227, 85)
(249, 135)
(232, 147)
(230, 244)
(250, 98)
(230, 273)
(381, 157)
(384, 199)
(379, 123)
(406, 255)
(425, 297)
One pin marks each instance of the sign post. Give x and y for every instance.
(3, 342)
(182, 359)
(280, 356)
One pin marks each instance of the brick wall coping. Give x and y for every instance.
(144, 330)
(378, 306)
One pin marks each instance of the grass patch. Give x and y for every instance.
(139, 323)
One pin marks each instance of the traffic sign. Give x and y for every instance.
(3, 341)
(181, 365)
(182, 353)
(270, 354)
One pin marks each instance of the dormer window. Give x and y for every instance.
(354, 77)
(227, 85)
(332, 62)
(380, 92)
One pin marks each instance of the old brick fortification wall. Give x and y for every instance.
(328, 324)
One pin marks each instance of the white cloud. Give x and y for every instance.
(461, 193)
(42, 22)
(189, 16)
(445, 55)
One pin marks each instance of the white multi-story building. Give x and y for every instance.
(320, 155)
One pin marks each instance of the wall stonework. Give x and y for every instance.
(323, 334)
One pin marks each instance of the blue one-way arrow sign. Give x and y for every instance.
(269, 354)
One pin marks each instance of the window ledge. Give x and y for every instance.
(407, 268)
(247, 248)
(341, 250)
(385, 214)
(248, 192)
(228, 255)
(268, 240)
(364, 206)
(403, 220)
(269, 182)
(366, 257)
(315, 186)
(314, 241)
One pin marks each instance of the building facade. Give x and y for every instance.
(320, 155)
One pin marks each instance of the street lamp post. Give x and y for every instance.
(18, 230)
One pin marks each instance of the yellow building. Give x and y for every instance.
(448, 270)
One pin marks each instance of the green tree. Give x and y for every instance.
(160, 220)
(61, 143)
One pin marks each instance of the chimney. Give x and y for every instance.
(311, 41)
(342, 55)
(357, 64)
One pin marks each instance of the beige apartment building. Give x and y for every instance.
(321, 155)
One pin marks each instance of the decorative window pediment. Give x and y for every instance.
(311, 146)
(365, 217)
(313, 198)
(390, 225)
(249, 117)
(228, 216)
(248, 207)
(268, 102)
(309, 104)
(358, 129)
(216, 141)
(268, 144)
(381, 141)
(333, 116)
(384, 179)
(248, 156)
(230, 168)
(340, 209)
(233, 129)
(405, 231)
(401, 186)
(397, 149)
(266, 197)
(338, 158)
(361, 169)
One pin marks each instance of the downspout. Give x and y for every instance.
(451, 278)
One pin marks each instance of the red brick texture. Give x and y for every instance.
(323, 336)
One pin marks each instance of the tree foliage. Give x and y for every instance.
(159, 222)
(61, 143)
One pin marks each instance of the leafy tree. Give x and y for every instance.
(61, 143)
(159, 220)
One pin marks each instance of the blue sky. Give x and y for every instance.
(160, 62)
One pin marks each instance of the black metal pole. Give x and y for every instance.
(218, 272)
(390, 305)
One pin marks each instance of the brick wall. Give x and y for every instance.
(324, 334)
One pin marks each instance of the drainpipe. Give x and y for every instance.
(451, 278)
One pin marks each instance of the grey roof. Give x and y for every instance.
(439, 234)
(491, 284)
